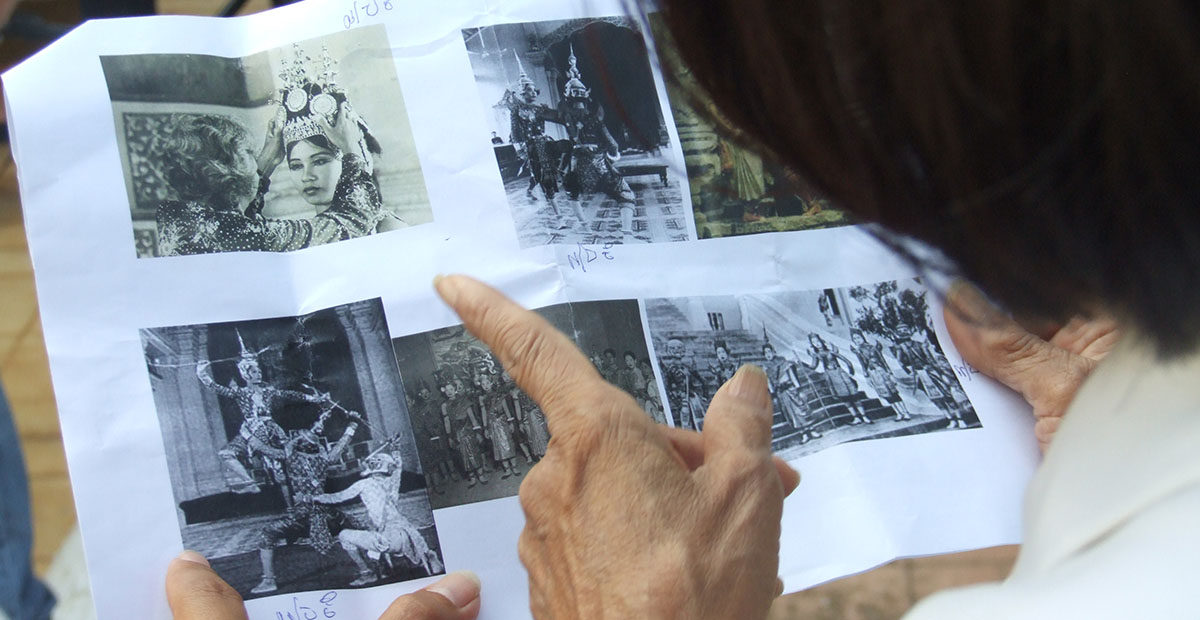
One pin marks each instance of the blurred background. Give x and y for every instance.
(884, 593)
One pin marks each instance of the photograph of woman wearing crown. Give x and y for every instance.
(271, 152)
(588, 156)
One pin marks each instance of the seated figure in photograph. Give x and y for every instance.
(391, 532)
(593, 150)
(306, 464)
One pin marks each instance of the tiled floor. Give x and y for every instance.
(877, 595)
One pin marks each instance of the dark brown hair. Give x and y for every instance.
(1050, 149)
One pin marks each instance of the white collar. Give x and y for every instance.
(1130, 439)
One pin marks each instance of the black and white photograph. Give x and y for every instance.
(844, 364)
(285, 149)
(578, 132)
(290, 451)
(478, 434)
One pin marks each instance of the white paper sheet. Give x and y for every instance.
(126, 394)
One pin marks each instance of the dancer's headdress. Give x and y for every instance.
(575, 88)
(381, 463)
(305, 96)
(247, 358)
(523, 82)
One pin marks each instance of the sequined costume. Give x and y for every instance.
(917, 360)
(528, 128)
(391, 531)
(589, 168)
(493, 410)
(723, 371)
(841, 382)
(258, 434)
(870, 357)
(432, 439)
(463, 428)
(533, 424)
(685, 394)
(306, 473)
(783, 381)
(193, 228)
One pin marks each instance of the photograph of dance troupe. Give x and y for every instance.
(290, 451)
(735, 191)
(578, 132)
(476, 432)
(285, 149)
(843, 364)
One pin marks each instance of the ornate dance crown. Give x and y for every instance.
(575, 88)
(523, 82)
(304, 97)
(247, 358)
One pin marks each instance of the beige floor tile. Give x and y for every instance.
(26, 377)
(881, 594)
(936, 573)
(44, 457)
(53, 517)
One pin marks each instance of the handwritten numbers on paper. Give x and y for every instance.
(360, 9)
(582, 256)
(298, 611)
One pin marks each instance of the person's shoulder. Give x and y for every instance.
(1144, 568)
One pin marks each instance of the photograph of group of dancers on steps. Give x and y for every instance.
(285, 149)
(477, 433)
(843, 364)
(578, 131)
(290, 451)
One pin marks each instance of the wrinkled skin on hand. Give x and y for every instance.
(1046, 368)
(626, 518)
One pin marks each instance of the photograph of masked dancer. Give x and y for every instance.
(268, 427)
(589, 157)
(390, 531)
(271, 152)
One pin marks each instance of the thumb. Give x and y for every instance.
(196, 592)
(739, 416)
(454, 597)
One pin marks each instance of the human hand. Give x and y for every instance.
(624, 517)
(271, 154)
(343, 132)
(1046, 369)
(196, 592)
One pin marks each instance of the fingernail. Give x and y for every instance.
(460, 587)
(192, 556)
(972, 303)
(749, 384)
(446, 288)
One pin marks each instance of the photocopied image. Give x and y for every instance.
(735, 191)
(843, 364)
(578, 131)
(478, 434)
(290, 451)
(286, 149)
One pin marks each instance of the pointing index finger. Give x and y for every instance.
(544, 362)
